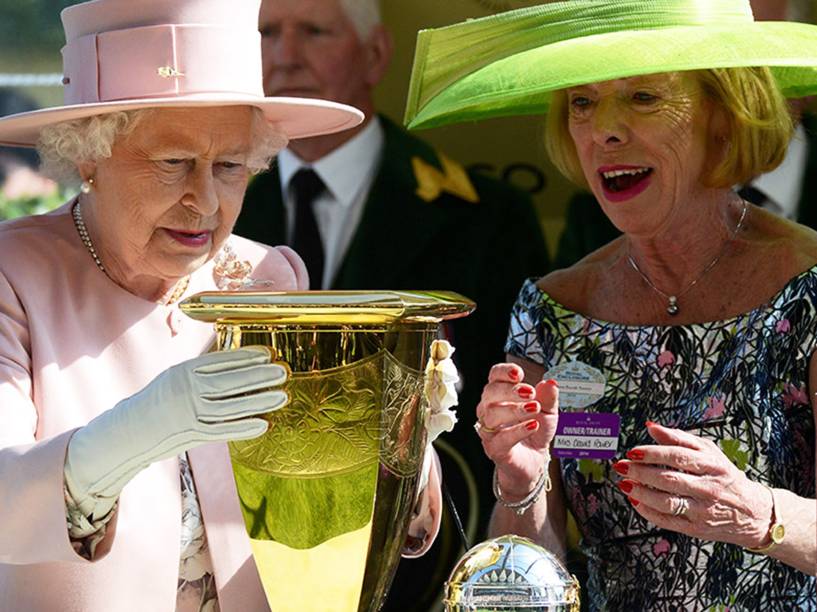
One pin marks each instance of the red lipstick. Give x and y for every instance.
(622, 182)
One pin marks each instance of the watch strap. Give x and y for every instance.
(777, 531)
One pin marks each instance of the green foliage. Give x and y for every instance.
(32, 24)
(21, 207)
(731, 448)
(592, 470)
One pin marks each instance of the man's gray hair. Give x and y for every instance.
(364, 15)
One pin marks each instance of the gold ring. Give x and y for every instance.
(480, 427)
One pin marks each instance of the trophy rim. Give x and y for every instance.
(328, 307)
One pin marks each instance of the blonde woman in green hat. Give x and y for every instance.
(671, 374)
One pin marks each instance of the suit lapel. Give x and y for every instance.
(379, 253)
(262, 217)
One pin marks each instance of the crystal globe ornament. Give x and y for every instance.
(511, 573)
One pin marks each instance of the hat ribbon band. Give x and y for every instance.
(162, 61)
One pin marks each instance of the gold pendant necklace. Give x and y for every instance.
(79, 224)
(672, 300)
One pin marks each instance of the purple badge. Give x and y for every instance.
(586, 435)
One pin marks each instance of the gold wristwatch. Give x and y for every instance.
(777, 531)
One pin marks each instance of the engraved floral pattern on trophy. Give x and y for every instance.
(331, 426)
(334, 423)
(402, 400)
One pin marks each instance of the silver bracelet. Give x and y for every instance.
(520, 507)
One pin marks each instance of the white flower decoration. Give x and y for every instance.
(440, 379)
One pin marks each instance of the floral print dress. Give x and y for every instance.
(742, 383)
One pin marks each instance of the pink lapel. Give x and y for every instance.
(237, 580)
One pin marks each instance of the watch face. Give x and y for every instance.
(778, 532)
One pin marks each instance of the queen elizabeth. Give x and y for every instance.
(112, 422)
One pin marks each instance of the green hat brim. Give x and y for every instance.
(521, 82)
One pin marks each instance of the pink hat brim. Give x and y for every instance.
(294, 117)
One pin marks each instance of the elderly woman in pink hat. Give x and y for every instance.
(105, 400)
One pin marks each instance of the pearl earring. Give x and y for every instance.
(87, 185)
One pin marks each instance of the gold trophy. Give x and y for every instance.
(327, 492)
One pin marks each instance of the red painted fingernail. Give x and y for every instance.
(626, 486)
(552, 383)
(633, 501)
(532, 407)
(513, 375)
(525, 392)
(650, 423)
(621, 467)
(635, 454)
(532, 426)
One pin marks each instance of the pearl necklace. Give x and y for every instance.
(672, 300)
(79, 223)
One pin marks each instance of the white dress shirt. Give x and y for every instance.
(348, 173)
(783, 186)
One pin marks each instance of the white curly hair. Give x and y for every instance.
(65, 145)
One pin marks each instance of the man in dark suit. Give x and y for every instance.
(393, 213)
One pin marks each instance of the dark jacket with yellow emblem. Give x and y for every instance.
(420, 235)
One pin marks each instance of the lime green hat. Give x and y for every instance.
(507, 64)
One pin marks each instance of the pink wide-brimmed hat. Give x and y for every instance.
(129, 54)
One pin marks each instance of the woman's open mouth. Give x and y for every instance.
(622, 183)
(190, 239)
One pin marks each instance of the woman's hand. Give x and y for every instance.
(687, 484)
(516, 423)
(212, 398)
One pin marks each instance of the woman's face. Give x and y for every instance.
(168, 196)
(642, 143)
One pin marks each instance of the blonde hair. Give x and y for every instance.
(760, 126)
(65, 145)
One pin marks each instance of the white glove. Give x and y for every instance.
(206, 399)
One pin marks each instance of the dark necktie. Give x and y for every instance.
(753, 195)
(306, 240)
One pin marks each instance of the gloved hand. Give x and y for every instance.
(207, 399)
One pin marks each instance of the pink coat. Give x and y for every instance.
(72, 344)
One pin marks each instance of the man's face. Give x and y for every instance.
(311, 49)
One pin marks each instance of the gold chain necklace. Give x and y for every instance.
(79, 224)
(672, 300)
